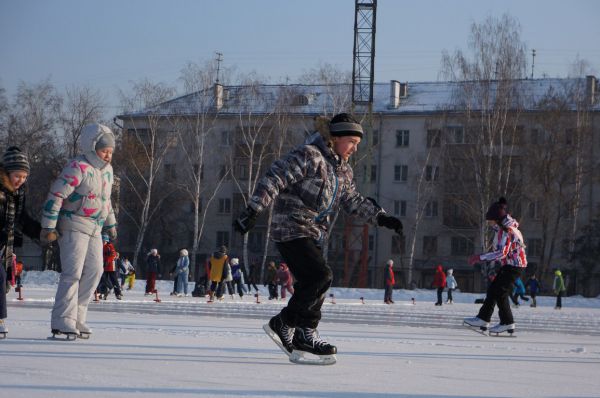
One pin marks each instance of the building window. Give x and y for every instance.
(401, 173)
(432, 173)
(533, 210)
(222, 238)
(375, 137)
(170, 171)
(456, 134)
(256, 241)
(400, 208)
(224, 173)
(402, 138)
(461, 246)
(534, 247)
(243, 171)
(398, 244)
(429, 245)
(371, 243)
(370, 175)
(434, 138)
(224, 205)
(226, 139)
(431, 209)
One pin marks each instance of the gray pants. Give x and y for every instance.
(81, 259)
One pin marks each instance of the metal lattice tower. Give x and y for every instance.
(364, 52)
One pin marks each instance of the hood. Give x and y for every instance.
(317, 140)
(439, 268)
(90, 135)
(557, 273)
(510, 222)
(450, 271)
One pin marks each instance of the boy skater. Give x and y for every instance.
(307, 186)
(509, 250)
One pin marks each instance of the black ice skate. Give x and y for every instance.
(64, 335)
(280, 333)
(307, 340)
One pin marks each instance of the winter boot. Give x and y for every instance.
(308, 340)
(277, 328)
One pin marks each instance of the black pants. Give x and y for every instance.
(498, 293)
(313, 279)
(387, 296)
(559, 299)
(440, 290)
(450, 294)
(273, 291)
(2, 292)
(110, 280)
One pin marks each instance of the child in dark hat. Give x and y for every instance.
(509, 251)
(14, 219)
(306, 187)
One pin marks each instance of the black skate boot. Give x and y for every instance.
(307, 340)
(280, 333)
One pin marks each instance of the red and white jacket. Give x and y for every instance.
(509, 245)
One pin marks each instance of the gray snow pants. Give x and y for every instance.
(81, 259)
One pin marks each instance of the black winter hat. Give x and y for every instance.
(15, 160)
(497, 211)
(344, 124)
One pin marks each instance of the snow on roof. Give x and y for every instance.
(422, 97)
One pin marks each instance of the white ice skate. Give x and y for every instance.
(67, 334)
(499, 328)
(3, 329)
(84, 331)
(476, 324)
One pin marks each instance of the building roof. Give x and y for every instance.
(422, 97)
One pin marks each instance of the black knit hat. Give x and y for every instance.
(344, 124)
(15, 160)
(497, 211)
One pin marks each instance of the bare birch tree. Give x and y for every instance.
(143, 151)
(482, 141)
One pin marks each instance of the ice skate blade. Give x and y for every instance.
(506, 333)
(275, 339)
(298, 357)
(84, 336)
(63, 336)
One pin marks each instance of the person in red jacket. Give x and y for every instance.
(109, 279)
(439, 281)
(390, 281)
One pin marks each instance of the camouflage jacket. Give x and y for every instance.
(308, 186)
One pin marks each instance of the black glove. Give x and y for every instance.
(383, 220)
(246, 221)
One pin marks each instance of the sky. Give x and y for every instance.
(184, 347)
(109, 44)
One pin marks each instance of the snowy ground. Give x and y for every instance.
(186, 347)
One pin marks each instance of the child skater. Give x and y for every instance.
(14, 219)
(509, 251)
(77, 210)
(307, 186)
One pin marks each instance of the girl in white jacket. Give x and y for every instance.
(77, 210)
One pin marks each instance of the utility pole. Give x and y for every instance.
(219, 60)
(532, 61)
(356, 236)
